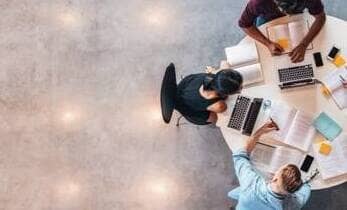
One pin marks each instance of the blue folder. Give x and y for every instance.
(327, 126)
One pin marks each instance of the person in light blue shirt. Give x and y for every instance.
(285, 190)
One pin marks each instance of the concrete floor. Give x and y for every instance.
(79, 105)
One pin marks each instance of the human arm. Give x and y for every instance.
(274, 48)
(303, 194)
(243, 168)
(218, 107)
(298, 53)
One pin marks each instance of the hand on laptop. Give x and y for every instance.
(298, 53)
(275, 48)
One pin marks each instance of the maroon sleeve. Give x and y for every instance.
(315, 7)
(248, 15)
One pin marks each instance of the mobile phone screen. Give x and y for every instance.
(307, 163)
(318, 59)
(333, 52)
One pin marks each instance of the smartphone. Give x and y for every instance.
(333, 52)
(307, 163)
(318, 59)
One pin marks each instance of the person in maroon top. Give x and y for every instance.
(261, 11)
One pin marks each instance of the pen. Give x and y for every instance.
(342, 79)
(277, 128)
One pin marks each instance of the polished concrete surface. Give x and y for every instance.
(79, 105)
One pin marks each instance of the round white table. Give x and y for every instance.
(310, 98)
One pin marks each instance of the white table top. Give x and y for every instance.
(310, 98)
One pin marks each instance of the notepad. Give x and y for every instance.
(332, 82)
(289, 35)
(244, 59)
(327, 126)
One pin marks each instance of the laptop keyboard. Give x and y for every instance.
(239, 112)
(252, 116)
(296, 73)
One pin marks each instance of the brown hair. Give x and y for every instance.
(291, 178)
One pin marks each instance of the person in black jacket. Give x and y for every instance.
(201, 96)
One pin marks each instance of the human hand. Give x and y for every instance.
(275, 48)
(266, 128)
(298, 53)
(345, 84)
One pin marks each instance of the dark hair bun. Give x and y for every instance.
(227, 82)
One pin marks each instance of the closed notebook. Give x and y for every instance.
(327, 126)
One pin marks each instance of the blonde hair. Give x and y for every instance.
(291, 178)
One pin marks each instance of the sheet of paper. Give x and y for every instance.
(243, 54)
(334, 164)
(280, 34)
(251, 74)
(283, 156)
(283, 116)
(261, 156)
(301, 133)
(297, 31)
(333, 82)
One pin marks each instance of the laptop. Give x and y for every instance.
(294, 74)
(245, 114)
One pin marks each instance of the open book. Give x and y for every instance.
(334, 164)
(289, 35)
(333, 83)
(244, 59)
(270, 159)
(295, 127)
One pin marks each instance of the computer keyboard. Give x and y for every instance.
(296, 73)
(239, 112)
(252, 116)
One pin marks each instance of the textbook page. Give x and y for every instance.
(251, 74)
(243, 54)
(301, 132)
(261, 156)
(283, 116)
(297, 31)
(283, 156)
(334, 164)
(280, 34)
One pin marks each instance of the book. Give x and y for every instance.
(269, 158)
(244, 59)
(333, 164)
(332, 82)
(327, 126)
(289, 35)
(295, 126)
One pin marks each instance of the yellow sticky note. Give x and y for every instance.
(325, 149)
(283, 42)
(325, 91)
(339, 61)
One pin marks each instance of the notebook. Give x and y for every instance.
(289, 35)
(327, 126)
(333, 164)
(333, 84)
(295, 126)
(244, 59)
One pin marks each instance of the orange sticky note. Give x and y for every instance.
(283, 42)
(325, 149)
(325, 91)
(339, 61)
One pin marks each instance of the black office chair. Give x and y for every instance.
(168, 97)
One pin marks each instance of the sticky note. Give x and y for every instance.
(325, 149)
(325, 91)
(283, 42)
(339, 61)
